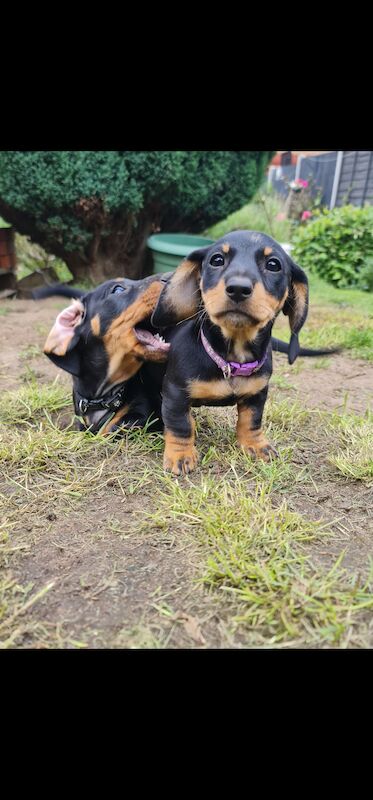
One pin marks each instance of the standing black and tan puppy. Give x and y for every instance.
(103, 339)
(230, 293)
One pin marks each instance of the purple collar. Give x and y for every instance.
(232, 369)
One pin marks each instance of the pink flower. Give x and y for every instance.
(280, 216)
(304, 184)
(306, 215)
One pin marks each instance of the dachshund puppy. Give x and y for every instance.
(103, 339)
(229, 294)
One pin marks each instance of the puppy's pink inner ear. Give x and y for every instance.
(71, 316)
(63, 329)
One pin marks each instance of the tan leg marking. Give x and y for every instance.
(252, 440)
(180, 455)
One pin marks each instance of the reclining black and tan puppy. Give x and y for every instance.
(103, 339)
(229, 295)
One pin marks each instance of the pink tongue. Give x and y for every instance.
(145, 337)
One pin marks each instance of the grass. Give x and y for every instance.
(337, 318)
(322, 293)
(354, 456)
(32, 402)
(255, 557)
(258, 215)
(15, 601)
(29, 352)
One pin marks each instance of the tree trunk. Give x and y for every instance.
(122, 253)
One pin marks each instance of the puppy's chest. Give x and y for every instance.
(223, 391)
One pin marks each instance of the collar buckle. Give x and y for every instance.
(83, 405)
(227, 371)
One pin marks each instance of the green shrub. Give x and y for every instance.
(95, 209)
(366, 275)
(338, 246)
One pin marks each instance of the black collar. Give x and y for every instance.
(111, 401)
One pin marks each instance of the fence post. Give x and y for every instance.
(298, 166)
(270, 173)
(337, 175)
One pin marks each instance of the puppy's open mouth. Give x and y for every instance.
(153, 343)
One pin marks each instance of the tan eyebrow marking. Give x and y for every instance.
(225, 248)
(267, 251)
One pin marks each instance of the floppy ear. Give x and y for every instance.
(61, 343)
(296, 306)
(181, 296)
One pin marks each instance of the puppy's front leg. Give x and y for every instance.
(249, 426)
(180, 456)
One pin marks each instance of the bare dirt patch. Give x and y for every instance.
(333, 382)
(24, 326)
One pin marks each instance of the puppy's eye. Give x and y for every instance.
(273, 264)
(118, 289)
(217, 260)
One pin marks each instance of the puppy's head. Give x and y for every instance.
(101, 333)
(243, 281)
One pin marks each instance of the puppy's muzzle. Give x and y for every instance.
(239, 289)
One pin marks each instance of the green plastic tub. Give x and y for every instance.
(169, 249)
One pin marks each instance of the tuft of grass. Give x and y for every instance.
(15, 601)
(358, 337)
(283, 424)
(281, 382)
(141, 636)
(31, 351)
(32, 401)
(44, 465)
(354, 457)
(255, 559)
(286, 417)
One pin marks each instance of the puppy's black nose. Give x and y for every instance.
(239, 289)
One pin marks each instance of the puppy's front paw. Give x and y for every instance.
(180, 460)
(265, 451)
